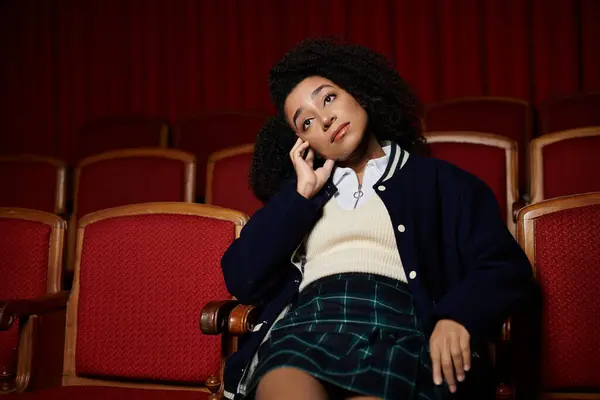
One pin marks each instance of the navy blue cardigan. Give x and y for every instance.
(462, 261)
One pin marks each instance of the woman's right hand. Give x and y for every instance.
(310, 181)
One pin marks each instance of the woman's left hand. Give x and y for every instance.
(450, 350)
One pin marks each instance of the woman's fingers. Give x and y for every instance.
(448, 367)
(465, 346)
(436, 364)
(457, 358)
(310, 157)
(325, 171)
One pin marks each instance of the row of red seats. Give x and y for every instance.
(515, 119)
(215, 131)
(147, 275)
(561, 163)
(143, 273)
(199, 136)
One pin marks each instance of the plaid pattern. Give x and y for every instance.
(357, 332)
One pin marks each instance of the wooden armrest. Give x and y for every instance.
(11, 310)
(228, 316)
(517, 205)
(214, 316)
(242, 319)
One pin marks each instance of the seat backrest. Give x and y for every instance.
(501, 116)
(227, 182)
(492, 158)
(142, 275)
(31, 248)
(576, 111)
(33, 182)
(31, 244)
(561, 238)
(122, 177)
(114, 133)
(565, 163)
(215, 131)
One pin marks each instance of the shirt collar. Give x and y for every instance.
(380, 164)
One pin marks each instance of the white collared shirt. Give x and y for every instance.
(346, 181)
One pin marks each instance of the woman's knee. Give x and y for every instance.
(290, 383)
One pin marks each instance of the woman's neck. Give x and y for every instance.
(368, 149)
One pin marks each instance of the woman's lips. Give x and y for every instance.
(340, 132)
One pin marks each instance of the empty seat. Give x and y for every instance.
(565, 163)
(492, 158)
(31, 248)
(130, 176)
(561, 237)
(507, 117)
(143, 274)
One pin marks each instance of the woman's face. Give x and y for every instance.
(327, 117)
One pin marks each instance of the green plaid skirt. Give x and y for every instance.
(355, 332)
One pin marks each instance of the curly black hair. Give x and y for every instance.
(394, 113)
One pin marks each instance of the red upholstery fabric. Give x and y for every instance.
(129, 180)
(144, 281)
(486, 162)
(230, 187)
(28, 184)
(571, 112)
(107, 393)
(568, 269)
(118, 133)
(214, 132)
(24, 250)
(571, 167)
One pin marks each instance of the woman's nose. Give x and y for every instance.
(328, 120)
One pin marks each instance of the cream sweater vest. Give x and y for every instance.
(358, 240)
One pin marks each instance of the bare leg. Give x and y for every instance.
(290, 384)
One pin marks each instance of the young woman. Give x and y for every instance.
(378, 273)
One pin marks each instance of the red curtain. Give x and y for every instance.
(69, 61)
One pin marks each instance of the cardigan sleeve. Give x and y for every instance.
(255, 261)
(498, 274)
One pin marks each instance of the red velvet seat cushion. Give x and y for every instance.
(568, 269)
(143, 282)
(108, 393)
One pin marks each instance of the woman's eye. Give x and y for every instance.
(306, 124)
(329, 98)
